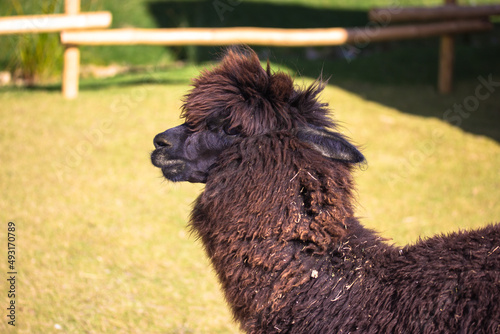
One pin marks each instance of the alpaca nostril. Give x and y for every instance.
(160, 142)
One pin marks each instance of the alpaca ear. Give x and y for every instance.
(331, 145)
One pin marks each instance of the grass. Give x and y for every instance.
(83, 196)
(102, 242)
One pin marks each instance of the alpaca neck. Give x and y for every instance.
(283, 190)
(268, 217)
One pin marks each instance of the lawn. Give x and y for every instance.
(102, 242)
(101, 239)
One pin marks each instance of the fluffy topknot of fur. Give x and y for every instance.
(250, 99)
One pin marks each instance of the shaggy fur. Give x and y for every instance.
(277, 219)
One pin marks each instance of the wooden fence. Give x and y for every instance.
(53, 22)
(267, 36)
(75, 30)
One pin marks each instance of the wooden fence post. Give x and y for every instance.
(71, 70)
(446, 60)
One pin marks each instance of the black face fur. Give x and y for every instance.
(239, 99)
(184, 155)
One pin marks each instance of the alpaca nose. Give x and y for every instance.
(161, 141)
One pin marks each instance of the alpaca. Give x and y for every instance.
(277, 220)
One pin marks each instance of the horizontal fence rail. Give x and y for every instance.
(53, 22)
(267, 36)
(449, 12)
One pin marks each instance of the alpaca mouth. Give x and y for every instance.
(172, 168)
(169, 167)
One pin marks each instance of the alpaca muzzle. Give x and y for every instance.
(162, 156)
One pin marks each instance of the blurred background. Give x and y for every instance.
(102, 243)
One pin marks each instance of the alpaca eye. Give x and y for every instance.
(232, 131)
(212, 126)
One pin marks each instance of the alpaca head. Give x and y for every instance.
(240, 99)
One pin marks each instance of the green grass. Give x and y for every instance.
(102, 242)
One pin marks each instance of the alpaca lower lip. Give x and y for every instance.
(161, 159)
(172, 168)
(171, 163)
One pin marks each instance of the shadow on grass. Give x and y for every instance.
(399, 74)
(404, 77)
(94, 85)
(196, 13)
(222, 13)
